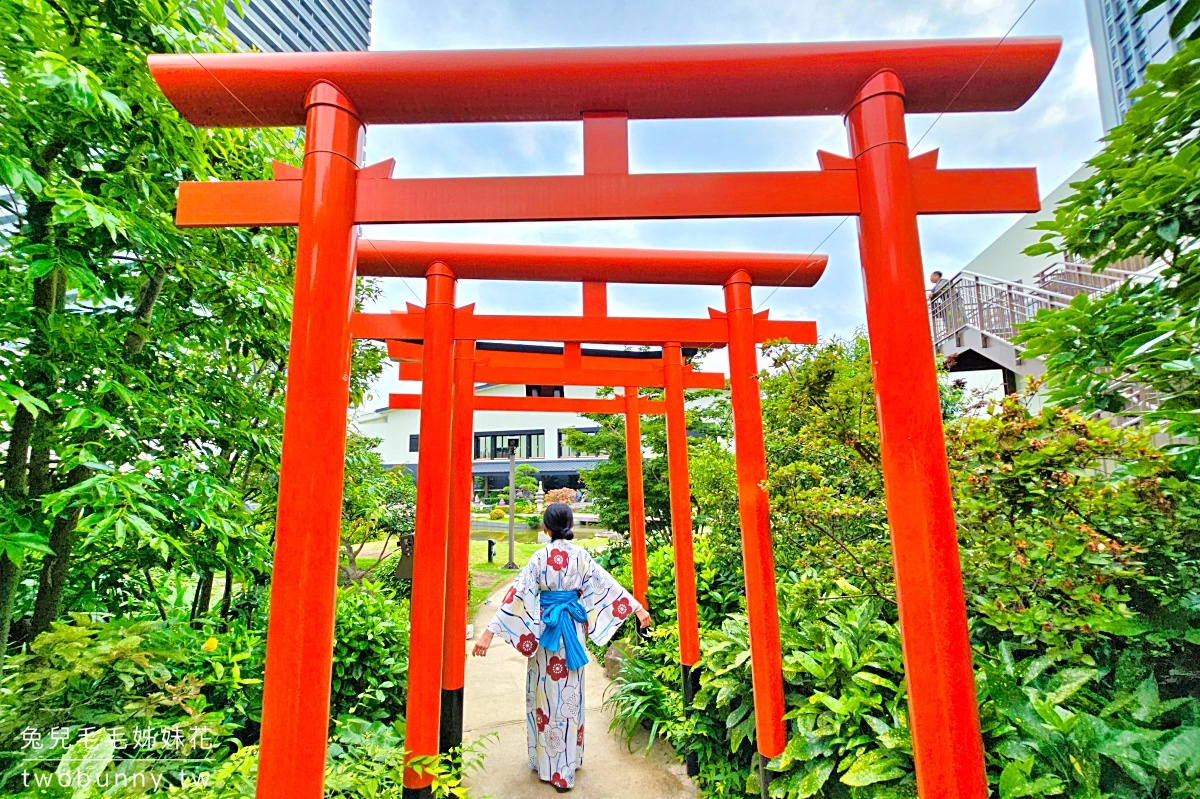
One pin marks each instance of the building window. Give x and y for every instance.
(565, 450)
(494, 445)
(544, 391)
(414, 442)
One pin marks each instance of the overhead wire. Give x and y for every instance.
(914, 146)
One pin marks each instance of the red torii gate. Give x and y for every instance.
(501, 363)
(740, 329)
(874, 85)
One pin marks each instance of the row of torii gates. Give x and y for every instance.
(336, 95)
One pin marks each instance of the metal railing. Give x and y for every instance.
(990, 304)
(1075, 277)
(997, 306)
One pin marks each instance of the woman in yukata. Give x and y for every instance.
(560, 593)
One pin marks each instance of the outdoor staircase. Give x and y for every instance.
(975, 317)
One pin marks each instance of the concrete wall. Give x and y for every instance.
(1003, 258)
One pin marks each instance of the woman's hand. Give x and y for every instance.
(643, 617)
(481, 646)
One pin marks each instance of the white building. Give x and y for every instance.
(1123, 44)
(976, 313)
(541, 440)
(1005, 258)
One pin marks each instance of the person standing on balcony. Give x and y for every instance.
(938, 283)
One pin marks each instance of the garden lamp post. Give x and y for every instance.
(512, 501)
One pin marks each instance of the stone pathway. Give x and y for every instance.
(494, 700)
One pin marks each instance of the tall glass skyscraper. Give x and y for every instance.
(1123, 44)
(281, 26)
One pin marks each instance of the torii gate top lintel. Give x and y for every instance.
(604, 88)
(560, 84)
(388, 258)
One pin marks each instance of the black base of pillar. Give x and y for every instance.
(417, 793)
(451, 734)
(765, 776)
(691, 686)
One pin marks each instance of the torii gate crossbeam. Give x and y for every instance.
(872, 85)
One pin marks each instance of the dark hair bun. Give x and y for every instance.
(558, 520)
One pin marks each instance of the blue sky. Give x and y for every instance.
(1055, 132)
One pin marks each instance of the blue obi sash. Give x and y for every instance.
(560, 611)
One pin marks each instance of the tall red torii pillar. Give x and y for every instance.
(872, 84)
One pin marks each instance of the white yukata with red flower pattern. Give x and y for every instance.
(554, 694)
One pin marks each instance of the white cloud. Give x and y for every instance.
(1055, 132)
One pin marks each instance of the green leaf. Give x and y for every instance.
(878, 765)
(1041, 248)
(85, 761)
(1183, 17)
(1183, 749)
(1069, 681)
(814, 778)
(1152, 343)
(1169, 230)
(1013, 783)
(23, 398)
(1147, 6)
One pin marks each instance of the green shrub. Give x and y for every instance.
(123, 675)
(498, 513)
(1051, 726)
(1055, 728)
(370, 656)
(614, 558)
(384, 577)
(1072, 531)
(639, 698)
(1081, 566)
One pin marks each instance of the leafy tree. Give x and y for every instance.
(377, 503)
(608, 480)
(825, 475)
(1142, 201)
(526, 481)
(144, 377)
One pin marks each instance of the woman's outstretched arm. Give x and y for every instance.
(608, 603)
(518, 619)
